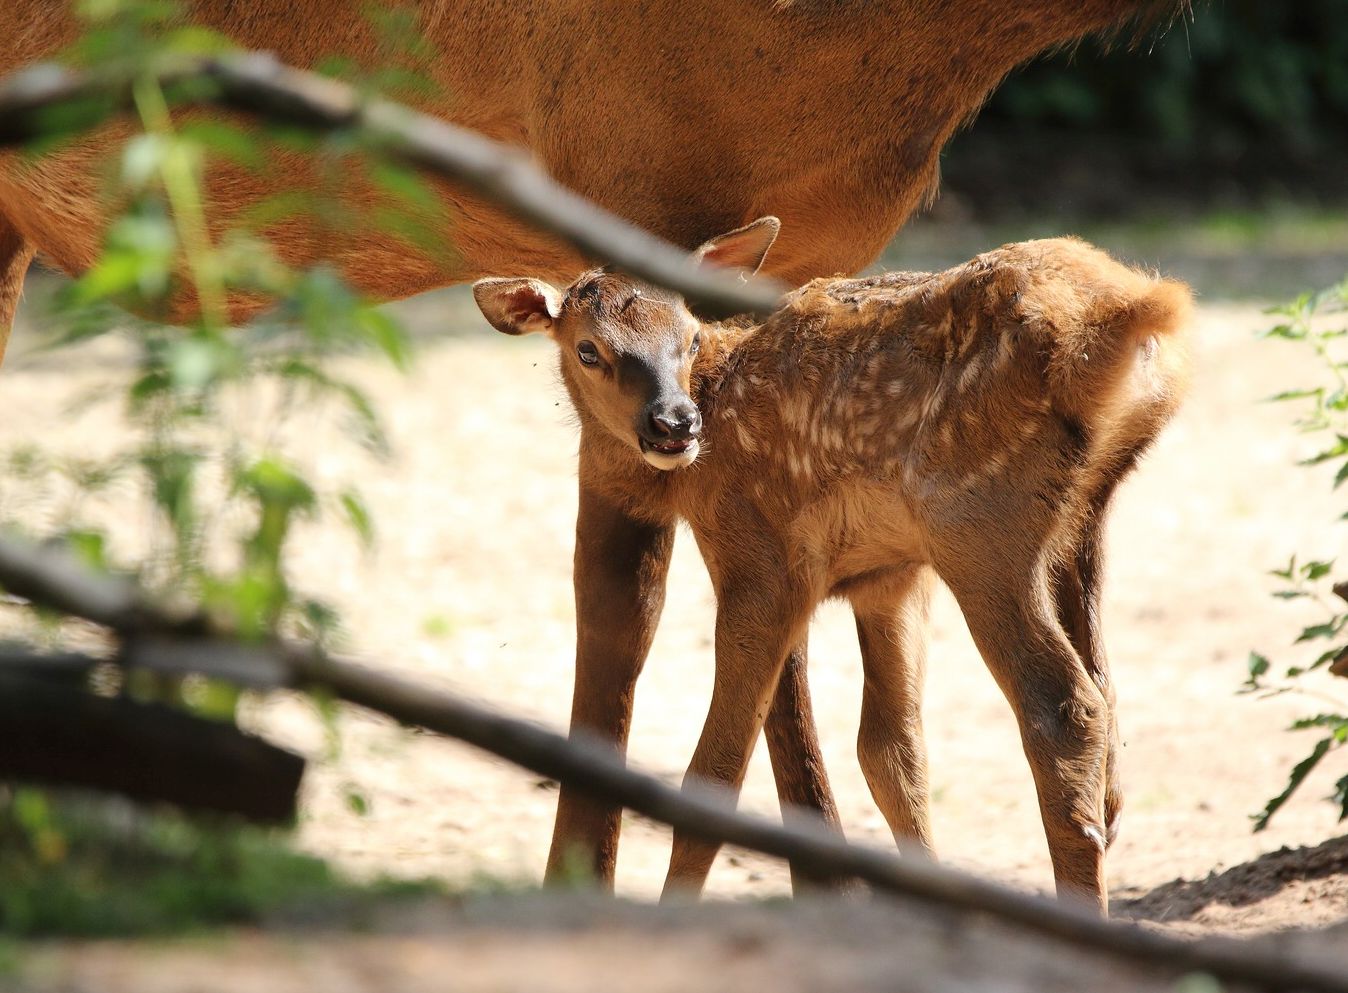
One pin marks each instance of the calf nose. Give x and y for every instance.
(681, 421)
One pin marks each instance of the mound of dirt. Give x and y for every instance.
(1302, 887)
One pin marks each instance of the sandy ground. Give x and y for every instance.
(470, 589)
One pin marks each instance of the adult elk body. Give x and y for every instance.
(872, 435)
(686, 116)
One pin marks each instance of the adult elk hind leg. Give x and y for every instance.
(15, 255)
(1004, 591)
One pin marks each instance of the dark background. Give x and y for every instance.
(1242, 105)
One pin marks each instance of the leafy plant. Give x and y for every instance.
(1324, 413)
(78, 865)
(210, 405)
(217, 462)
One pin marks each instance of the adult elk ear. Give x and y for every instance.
(743, 249)
(518, 306)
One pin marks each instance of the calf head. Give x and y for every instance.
(627, 348)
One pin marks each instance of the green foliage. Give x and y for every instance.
(1308, 323)
(77, 866)
(1237, 76)
(210, 405)
(217, 472)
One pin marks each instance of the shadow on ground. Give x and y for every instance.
(1240, 886)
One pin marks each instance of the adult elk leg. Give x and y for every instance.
(1063, 716)
(15, 254)
(892, 628)
(797, 761)
(620, 568)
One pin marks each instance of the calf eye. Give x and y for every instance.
(587, 353)
(697, 343)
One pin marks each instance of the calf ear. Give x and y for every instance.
(743, 248)
(518, 306)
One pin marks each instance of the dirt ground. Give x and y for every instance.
(469, 588)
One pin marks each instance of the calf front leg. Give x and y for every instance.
(892, 630)
(756, 625)
(620, 569)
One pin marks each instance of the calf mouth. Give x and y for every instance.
(669, 453)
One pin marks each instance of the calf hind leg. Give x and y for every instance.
(797, 761)
(1076, 591)
(15, 255)
(892, 629)
(1063, 718)
(1077, 584)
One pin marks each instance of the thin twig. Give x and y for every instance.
(258, 84)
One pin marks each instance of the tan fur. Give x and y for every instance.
(1031, 379)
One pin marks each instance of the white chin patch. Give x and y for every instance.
(676, 460)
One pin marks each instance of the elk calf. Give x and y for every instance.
(871, 436)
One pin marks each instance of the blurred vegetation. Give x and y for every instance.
(1244, 100)
(1315, 322)
(207, 494)
(100, 867)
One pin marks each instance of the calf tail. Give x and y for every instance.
(1127, 348)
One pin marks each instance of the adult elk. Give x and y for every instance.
(686, 116)
(868, 437)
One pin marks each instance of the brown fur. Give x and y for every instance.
(870, 436)
(688, 119)
(685, 117)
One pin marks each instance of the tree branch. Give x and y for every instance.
(256, 83)
(594, 767)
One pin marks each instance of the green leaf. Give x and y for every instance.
(1289, 573)
(225, 140)
(1299, 772)
(1340, 797)
(1326, 657)
(197, 362)
(1326, 630)
(1340, 447)
(90, 547)
(1331, 721)
(358, 516)
(1316, 570)
(406, 185)
(1293, 395)
(356, 802)
(1258, 666)
(388, 336)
